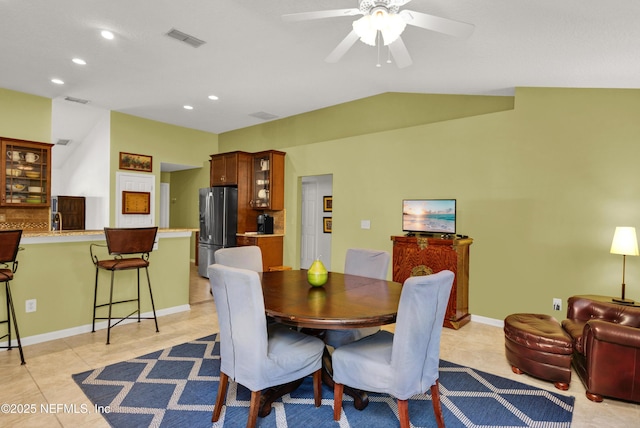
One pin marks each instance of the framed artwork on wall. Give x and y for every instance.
(136, 162)
(136, 202)
(326, 224)
(327, 203)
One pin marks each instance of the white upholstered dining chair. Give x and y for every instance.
(253, 354)
(361, 262)
(246, 257)
(405, 363)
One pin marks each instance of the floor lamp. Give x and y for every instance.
(625, 243)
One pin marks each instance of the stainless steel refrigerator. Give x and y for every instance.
(218, 223)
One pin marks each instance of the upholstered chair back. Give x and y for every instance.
(369, 263)
(243, 327)
(247, 257)
(415, 352)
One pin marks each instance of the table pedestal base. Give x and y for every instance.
(360, 398)
(269, 395)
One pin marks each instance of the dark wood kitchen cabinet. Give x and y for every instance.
(72, 211)
(268, 181)
(270, 245)
(26, 173)
(229, 169)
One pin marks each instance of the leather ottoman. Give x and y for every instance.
(537, 345)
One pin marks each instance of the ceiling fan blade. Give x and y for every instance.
(343, 47)
(436, 23)
(400, 53)
(320, 14)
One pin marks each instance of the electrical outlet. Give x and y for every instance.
(30, 305)
(3, 217)
(557, 304)
(365, 224)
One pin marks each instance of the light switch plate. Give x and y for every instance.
(365, 224)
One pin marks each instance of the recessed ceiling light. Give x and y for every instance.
(79, 61)
(188, 107)
(107, 34)
(213, 97)
(58, 81)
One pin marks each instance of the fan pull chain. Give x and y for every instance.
(388, 55)
(378, 46)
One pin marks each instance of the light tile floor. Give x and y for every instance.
(46, 378)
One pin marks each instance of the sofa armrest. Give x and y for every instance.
(616, 334)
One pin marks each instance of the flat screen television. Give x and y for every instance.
(429, 216)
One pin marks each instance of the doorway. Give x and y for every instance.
(134, 182)
(165, 195)
(314, 242)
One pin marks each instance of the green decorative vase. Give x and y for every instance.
(317, 274)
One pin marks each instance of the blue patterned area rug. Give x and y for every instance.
(176, 387)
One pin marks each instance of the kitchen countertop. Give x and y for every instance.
(34, 237)
(262, 235)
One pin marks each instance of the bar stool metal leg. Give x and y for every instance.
(153, 306)
(11, 313)
(95, 302)
(110, 306)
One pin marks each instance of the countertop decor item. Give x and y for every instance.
(317, 274)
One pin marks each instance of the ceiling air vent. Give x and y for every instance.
(62, 142)
(264, 115)
(76, 100)
(186, 38)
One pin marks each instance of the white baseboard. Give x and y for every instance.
(489, 321)
(60, 334)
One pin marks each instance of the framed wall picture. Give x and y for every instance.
(327, 203)
(136, 202)
(326, 224)
(135, 162)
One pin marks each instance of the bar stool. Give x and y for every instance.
(9, 246)
(124, 241)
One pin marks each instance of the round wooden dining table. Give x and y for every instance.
(344, 302)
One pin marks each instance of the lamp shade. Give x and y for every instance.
(625, 241)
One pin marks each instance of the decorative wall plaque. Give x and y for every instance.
(136, 202)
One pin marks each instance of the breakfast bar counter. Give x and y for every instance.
(56, 270)
(47, 237)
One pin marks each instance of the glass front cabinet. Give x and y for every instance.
(26, 173)
(268, 181)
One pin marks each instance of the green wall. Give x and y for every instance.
(169, 144)
(24, 116)
(365, 116)
(166, 143)
(540, 188)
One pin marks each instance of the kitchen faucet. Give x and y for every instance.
(57, 219)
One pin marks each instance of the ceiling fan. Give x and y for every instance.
(383, 19)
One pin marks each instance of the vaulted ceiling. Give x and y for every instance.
(259, 65)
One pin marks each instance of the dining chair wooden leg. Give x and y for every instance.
(403, 413)
(317, 387)
(254, 407)
(437, 407)
(338, 389)
(222, 395)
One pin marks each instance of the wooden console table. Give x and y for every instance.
(418, 255)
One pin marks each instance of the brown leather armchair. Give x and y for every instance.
(606, 349)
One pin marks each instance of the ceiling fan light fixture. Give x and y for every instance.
(391, 25)
(365, 30)
(394, 26)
